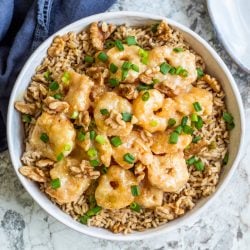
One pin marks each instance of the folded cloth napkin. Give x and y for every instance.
(24, 24)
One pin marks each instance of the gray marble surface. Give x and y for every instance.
(225, 225)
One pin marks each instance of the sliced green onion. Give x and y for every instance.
(127, 117)
(47, 76)
(55, 183)
(93, 211)
(92, 153)
(144, 56)
(183, 73)
(67, 147)
(74, 114)
(92, 135)
(116, 141)
(197, 106)
(184, 120)
(124, 74)
(129, 158)
(196, 139)
(191, 161)
(145, 97)
(92, 201)
(89, 59)
(100, 139)
(119, 45)
(109, 44)
(172, 71)
(131, 40)
(84, 219)
(227, 117)
(143, 86)
(66, 77)
(102, 56)
(44, 137)
(173, 138)
(199, 123)
(53, 86)
(164, 68)
(225, 159)
(104, 170)
(212, 145)
(178, 50)
(94, 163)
(104, 111)
(155, 81)
(153, 123)
(230, 126)
(187, 130)
(135, 67)
(26, 118)
(199, 165)
(200, 72)
(113, 82)
(154, 27)
(135, 207)
(178, 129)
(113, 68)
(135, 190)
(171, 122)
(194, 117)
(60, 157)
(58, 96)
(178, 70)
(126, 65)
(81, 136)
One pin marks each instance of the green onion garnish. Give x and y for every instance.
(129, 158)
(55, 183)
(124, 74)
(74, 114)
(92, 135)
(199, 165)
(191, 161)
(113, 68)
(67, 147)
(144, 56)
(178, 70)
(102, 56)
(104, 111)
(104, 170)
(178, 129)
(183, 73)
(113, 82)
(172, 71)
(53, 86)
(116, 141)
(94, 163)
(197, 106)
(119, 45)
(143, 86)
(92, 153)
(84, 219)
(26, 118)
(196, 139)
(89, 59)
(227, 117)
(109, 44)
(44, 137)
(184, 120)
(135, 207)
(60, 157)
(47, 76)
(135, 190)
(145, 97)
(187, 130)
(155, 81)
(135, 67)
(131, 40)
(153, 123)
(173, 138)
(93, 211)
(230, 126)
(66, 77)
(126, 65)
(178, 50)
(154, 27)
(126, 116)
(171, 122)
(199, 123)
(58, 96)
(200, 72)
(100, 139)
(91, 201)
(194, 117)
(225, 159)
(165, 68)
(81, 136)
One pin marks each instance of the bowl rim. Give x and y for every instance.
(185, 220)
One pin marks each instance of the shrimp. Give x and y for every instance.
(144, 111)
(133, 145)
(50, 127)
(169, 172)
(129, 54)
(114, 188)
(112, 123)
(79, 91)
(71, 187)
(149, 196)
(161, 145)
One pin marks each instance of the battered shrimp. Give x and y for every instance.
(145, 110)
(161, 145)
(79, 91)
(133, 145)
(71, 187)
(185, 59)
(47, 136)
(169, 172)
(149, 196)
(129, 54)
(112, 123)
(114, 188)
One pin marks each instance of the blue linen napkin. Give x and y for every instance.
(24, 24)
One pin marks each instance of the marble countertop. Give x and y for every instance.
(224, 225)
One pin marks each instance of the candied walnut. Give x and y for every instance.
(44, 163)
(195, 148)
(166, 211)
(83, 120)
(95, 72)
(84, 170)
(37, 90)
(99, 34)
(55, 106)
(114, 120)
(26, 108)
(33, 173)
(164, 89)
(163, 31)
(139, 171)
(128, 91)
(57, 47)
(148, 76)
(212, 82)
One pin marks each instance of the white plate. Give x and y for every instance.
(231, 19)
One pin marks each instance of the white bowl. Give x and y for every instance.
(215, 66)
